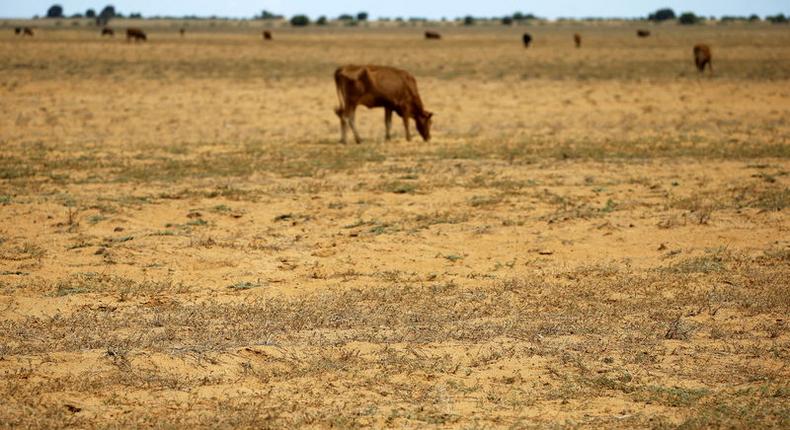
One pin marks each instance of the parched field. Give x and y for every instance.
(593, 238)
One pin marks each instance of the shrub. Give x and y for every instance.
(300, 21)
(662, 15)
(688, 18)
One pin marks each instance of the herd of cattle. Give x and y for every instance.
(393, 89)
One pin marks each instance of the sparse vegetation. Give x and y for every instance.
(592, 241)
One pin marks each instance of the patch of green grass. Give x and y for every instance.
(610, 206)
(398, 187)
(5, 200)
(670, 396)
(454, 257)
(199, 222)
(95, 219)
(245, 285)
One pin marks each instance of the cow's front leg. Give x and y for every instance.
(387, 122)
(406, 127)
(343, 126)
(351, 122)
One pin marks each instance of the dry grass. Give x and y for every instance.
(594, 238)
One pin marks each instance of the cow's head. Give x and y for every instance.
(424, 125)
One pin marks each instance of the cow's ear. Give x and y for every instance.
(429, 115)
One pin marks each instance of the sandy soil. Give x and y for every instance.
(593, 238)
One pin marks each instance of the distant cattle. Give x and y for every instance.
(527, 39)
(643, 33)
(182, 30)
(380, 86)
(702, 57)
(135, 34)
(432, 35)
(17, 30)
(267, 35)
(107, 31)
(577, 39)
(24, 31)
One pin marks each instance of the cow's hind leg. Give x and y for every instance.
(406, 127)
(387, 122)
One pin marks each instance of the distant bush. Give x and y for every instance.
(55, 11)
(507, 20)
(345, 17)
(269, 15)
(362, 16)
(754, 17)
(321, 20)
(662, 15)
(90, 13)
(137, 15)
(469, 20)
(777, 19)
(688, 18)
(300, 21)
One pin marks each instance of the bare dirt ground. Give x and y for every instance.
(593, 238)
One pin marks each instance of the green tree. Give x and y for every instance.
(688, 18)
(55, 11)
(300, 21)
(662, 15)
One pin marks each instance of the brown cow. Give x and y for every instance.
(27, 31)
(182, 30)
(702, 57)
(267, 35)
(577, 39)
(136, 34)
(380, 86)
(643, 33)
(107, 31)
(17, 30)
(432, 35)
(526, 39)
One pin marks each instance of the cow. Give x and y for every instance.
(703, 58)
(107, 31)
(380, 86)
(267, 35)
(527, 39)
(17, 30)
(432, 35)
(182, 30)
(136, 34)
(577, 39)
(643, 33)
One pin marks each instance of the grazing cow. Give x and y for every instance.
(380, 86)
(136, 34)
(702, 57)
(267, 35)
(17, 30)
(643, 33)
(527, 39)
(107, 31)
(432, 35)
(182, 30)
(577, 39)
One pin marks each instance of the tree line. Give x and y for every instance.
(302, 20)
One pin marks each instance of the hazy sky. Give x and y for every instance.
(405, 8)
